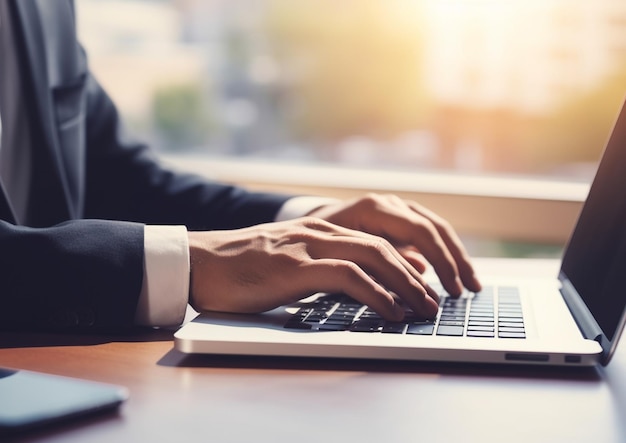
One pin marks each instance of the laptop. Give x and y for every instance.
(572, 317)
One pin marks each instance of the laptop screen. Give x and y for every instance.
(595, 258)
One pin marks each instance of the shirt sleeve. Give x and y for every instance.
(165, 292)
(299, 206)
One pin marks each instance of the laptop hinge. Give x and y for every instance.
(584, 319)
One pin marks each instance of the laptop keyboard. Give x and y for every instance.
(493, 312)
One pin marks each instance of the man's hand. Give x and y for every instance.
(369, 248)
(414, 230)
(262, 267)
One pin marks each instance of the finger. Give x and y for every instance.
(375, 255)
(336, 275)
(350, 236)
(417, 260)
(413, 229)
(454, 245)
(404, 224)
(380, 244)
(379, 259)
(436, 252)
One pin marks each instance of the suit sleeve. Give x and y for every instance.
(125, 181)
(78, 276)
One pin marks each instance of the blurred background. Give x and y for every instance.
(486, 86)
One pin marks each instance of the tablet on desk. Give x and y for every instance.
(32, 399)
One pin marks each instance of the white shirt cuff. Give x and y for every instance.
(165, 292)
(299, 206)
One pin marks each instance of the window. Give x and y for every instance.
(489, 87)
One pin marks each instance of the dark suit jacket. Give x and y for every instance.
(79, 265)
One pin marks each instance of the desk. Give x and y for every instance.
(174, 397)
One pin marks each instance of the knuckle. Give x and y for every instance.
(288, 259)
(378, 245)
(440, 223)
(372, 197)
(379, 199)
(314, 223)
(349, 270)
(428, 230)
(308, 221)
(371, 200)
(445, 226)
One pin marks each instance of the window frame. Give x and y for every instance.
(500, 208)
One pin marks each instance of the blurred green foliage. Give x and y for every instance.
(181, 116)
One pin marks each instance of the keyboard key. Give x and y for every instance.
(480, 328)
(505, 329)
(451, 323)
(512, 312)
(366, 326)
(332, 327)
(445, 317)
(455, 301)
(297, 325)
(481, 323)
(485, 310)
(511, 335)
(482, 308)
(454, 309)
(420, 329)
(487, 334)
(504, 324)
(337, 322)
(316, 317)
(394, 328)
(340, 317)
(410, 317)
(481, 314)
(370, 315)
(456, 331)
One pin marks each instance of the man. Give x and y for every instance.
(95, 235)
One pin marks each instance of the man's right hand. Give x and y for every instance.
(265, 266)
